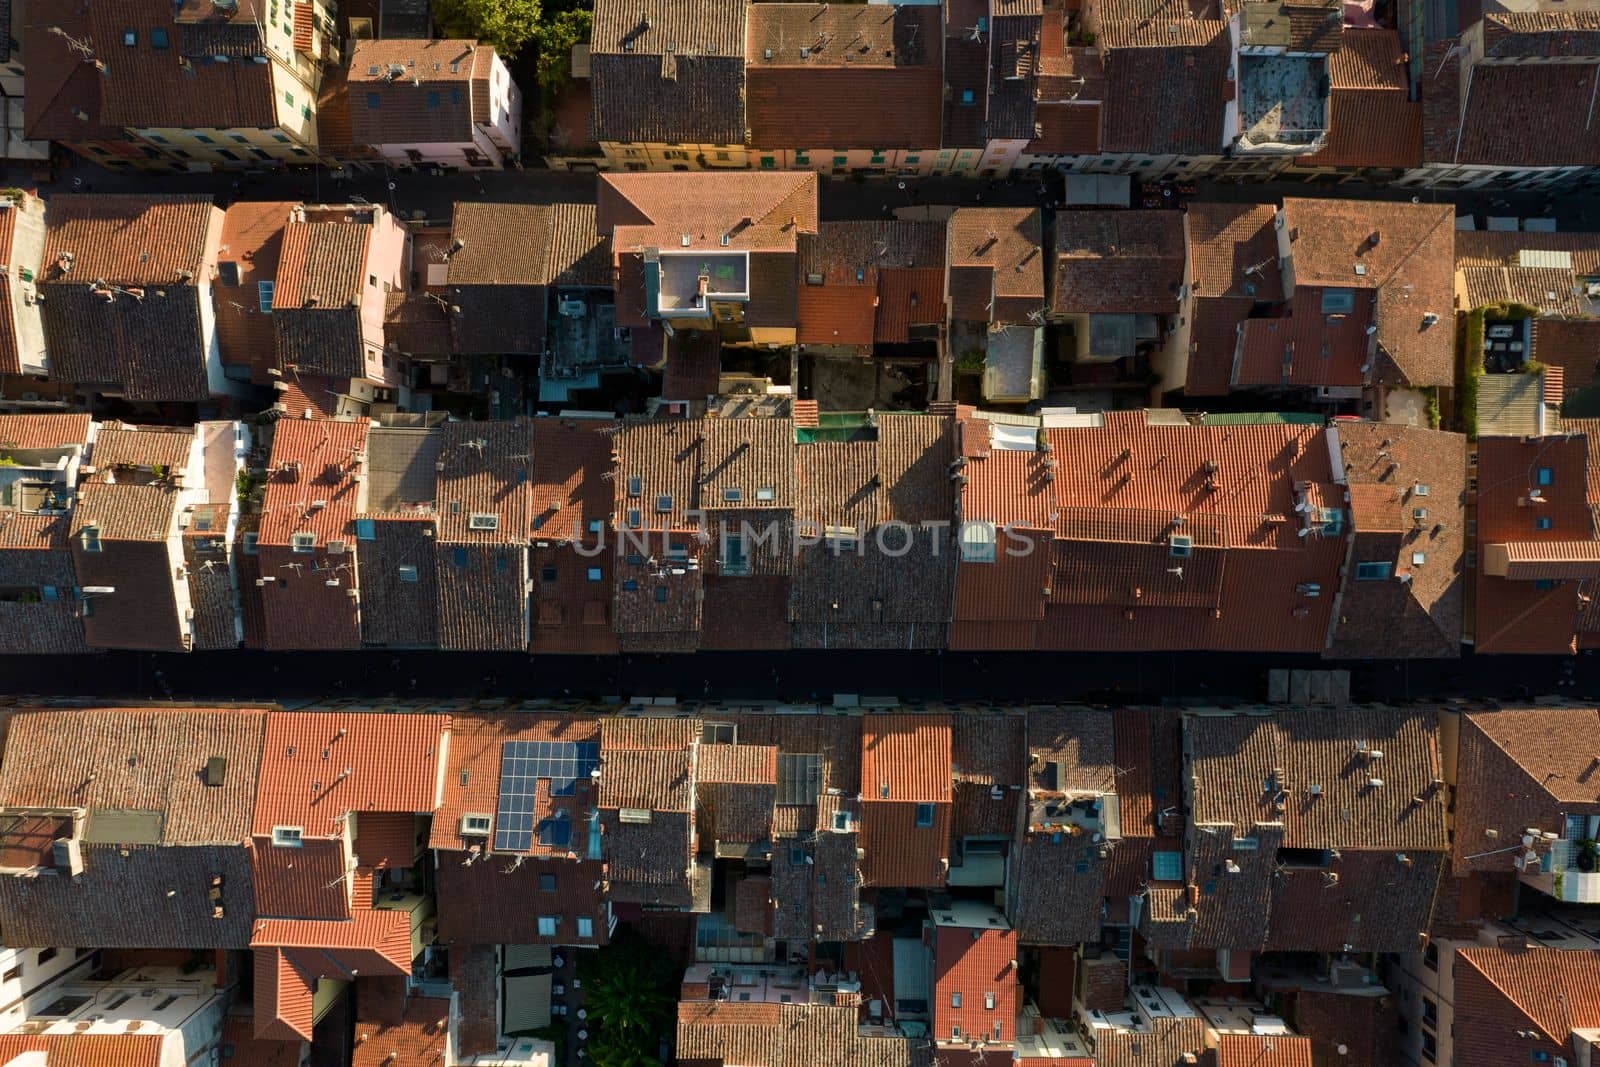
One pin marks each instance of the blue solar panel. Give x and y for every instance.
(555, 833)
(522, 764)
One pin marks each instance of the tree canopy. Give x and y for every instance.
(506, 24)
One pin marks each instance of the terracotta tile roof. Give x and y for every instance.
(1503, 993)
(1384, 466)
(694, 367)
(998, 254)
(130, 239)
(501, 244)
(721, 1032)
(1302, 346)
(905, 764)
(85, 1050)
(908, 298)
(656, 210)
(1230, 246)
(651, 863)
(572, 603)
(431, 102)
(474, 975)
(148, 88)
(417, 1039)
(1168, 1041)
(1117, 261)
(1349, 814)
(670, 71)
(472, 775)
(498, 901)
(975, 965)
(568, 494)
(1519, 767)
(497, 277)
(1014, 46)
(1516, 115)
(61, 86)
(153, 347)
(1389, 839)
(857, 252)
(322, 263)
(396, 611)
(482, 572)
(1370, 128)
(314, 460)
(1498, 248)
(44, 431)
(379, 938)
(1524, 616)
(1116, 493)
(241, 1048)
(799, 93)
(283, 997)
(836, 315)
(1214, 339)
(147, 760)
(734, 811)
(579, 254)
(1409, 266)
(393, 760)
(966, 78)
(1571, 344)
(1165, 93)
(1255, 1050)
(1066, 129)
(1541, 34)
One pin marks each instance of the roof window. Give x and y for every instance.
(663, 503)
(303, 542)
(286, 836)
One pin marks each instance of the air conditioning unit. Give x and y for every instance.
(67, 854)
(475, 825)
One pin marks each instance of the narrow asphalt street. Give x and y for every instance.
(1204, 677)
(842, 198)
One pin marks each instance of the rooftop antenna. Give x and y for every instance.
(79, 45)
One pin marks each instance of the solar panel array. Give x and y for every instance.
(522, 764)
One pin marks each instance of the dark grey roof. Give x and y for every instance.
(321, 340)
(122, 900)
(400, 467)
(150, 347)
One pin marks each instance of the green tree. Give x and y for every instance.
(559, 33)
(506, 24)
(627, 990)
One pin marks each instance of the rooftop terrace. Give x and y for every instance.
(1283, 103)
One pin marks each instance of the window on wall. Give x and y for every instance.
(841, 161)
(924, 815)
(586, 928)
(547, 926)
(768, 162)
(264, 296)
